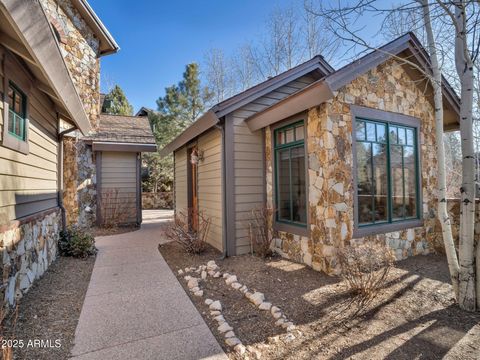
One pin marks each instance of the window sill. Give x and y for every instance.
(13, 143)
(359, 232)
(291, 229)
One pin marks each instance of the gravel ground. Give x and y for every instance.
(50, 311)
(413, 317)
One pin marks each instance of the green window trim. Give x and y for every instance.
(286, 139)
(16, 119)
(409, 135)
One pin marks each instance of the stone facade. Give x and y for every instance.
(161, 200)
(330, 170)
(80, 49)
(28, 248)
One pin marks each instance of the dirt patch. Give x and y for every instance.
(98, 231)
(51, 308)
(414, 316)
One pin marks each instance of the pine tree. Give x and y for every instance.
(116, 103)
(182, 104)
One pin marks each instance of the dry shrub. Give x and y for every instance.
(365, 267)
(261, 232)
(7, 336)
(193, 239)
(116, 208)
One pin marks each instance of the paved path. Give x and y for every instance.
(135, 308)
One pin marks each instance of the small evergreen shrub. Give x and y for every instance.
(76, 242)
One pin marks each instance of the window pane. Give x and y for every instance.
(360, 130)
(299, 133)
(393, 134)
(371, 132)
(380, 181)
(283, 181)
(18, 105)
(381, 133)
(10, 98)
(280, 137)
(11, 122)
(18, 129)
(402, 139)
(410, 181)
(289, 135)
(364, 182)
(299, 205)
(410, 137)
(397, 181)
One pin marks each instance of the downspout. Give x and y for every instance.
(224, 193)
(60, 137)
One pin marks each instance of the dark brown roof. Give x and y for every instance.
(123, 129)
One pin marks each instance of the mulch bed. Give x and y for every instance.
(413, 317)
(51, 309)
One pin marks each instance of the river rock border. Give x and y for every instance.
(215, 306)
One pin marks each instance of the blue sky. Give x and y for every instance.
(158, 38)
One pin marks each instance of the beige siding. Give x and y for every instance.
(180, 187)
(28, 183)
(210, 184)
(119, 183)
(248, 156)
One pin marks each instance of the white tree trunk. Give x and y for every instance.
(464, 66)
(443, 216)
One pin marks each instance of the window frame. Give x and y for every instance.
(395, 119)
(22, 84)
(285, 225)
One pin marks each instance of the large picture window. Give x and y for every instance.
(387, 172)
(290, 185)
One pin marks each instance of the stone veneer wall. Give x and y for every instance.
(80, 49)
(28, 247)
(330, 164)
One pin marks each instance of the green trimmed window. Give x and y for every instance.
(17, 112)
(387, 172)
(290, 185)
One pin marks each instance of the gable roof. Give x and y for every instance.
(322, 90)
(144, 111)
(123, 129)
(26, 32)
(316, 65)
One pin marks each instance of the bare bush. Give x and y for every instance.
(365, 268)
(190, 229)
(116, 208)
(261, 232)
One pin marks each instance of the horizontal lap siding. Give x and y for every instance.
(248, 157)
(28, 183)
(180, 186)
(210, 184)
(119, 183)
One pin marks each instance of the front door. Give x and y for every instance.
(192, 188)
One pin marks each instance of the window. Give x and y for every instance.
(387, 172)
(290, 186)
(17, 112)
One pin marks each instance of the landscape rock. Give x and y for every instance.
(224, 328)
(204, 275)
(290, 328)
(187, 278)
(198, 293)
(195, 289)
(274, 309)
(240, 349)
(277, 315)
(256, 298)
(225, 275)
(208, 301)
(229, 334)
(265, 306)
(216, 306)
(231, 279)
(236, 285)
(217, 274)
(289, 337)
(193, 282)
(232, 341)
(180, 272)
(280, 322)
(219, 318)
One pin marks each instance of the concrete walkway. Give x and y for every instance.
(135, 308)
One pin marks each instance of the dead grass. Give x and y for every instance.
(51, 308)
(413, 316)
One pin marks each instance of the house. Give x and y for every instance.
(343, 156)
(118, 143)
(49, 86)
